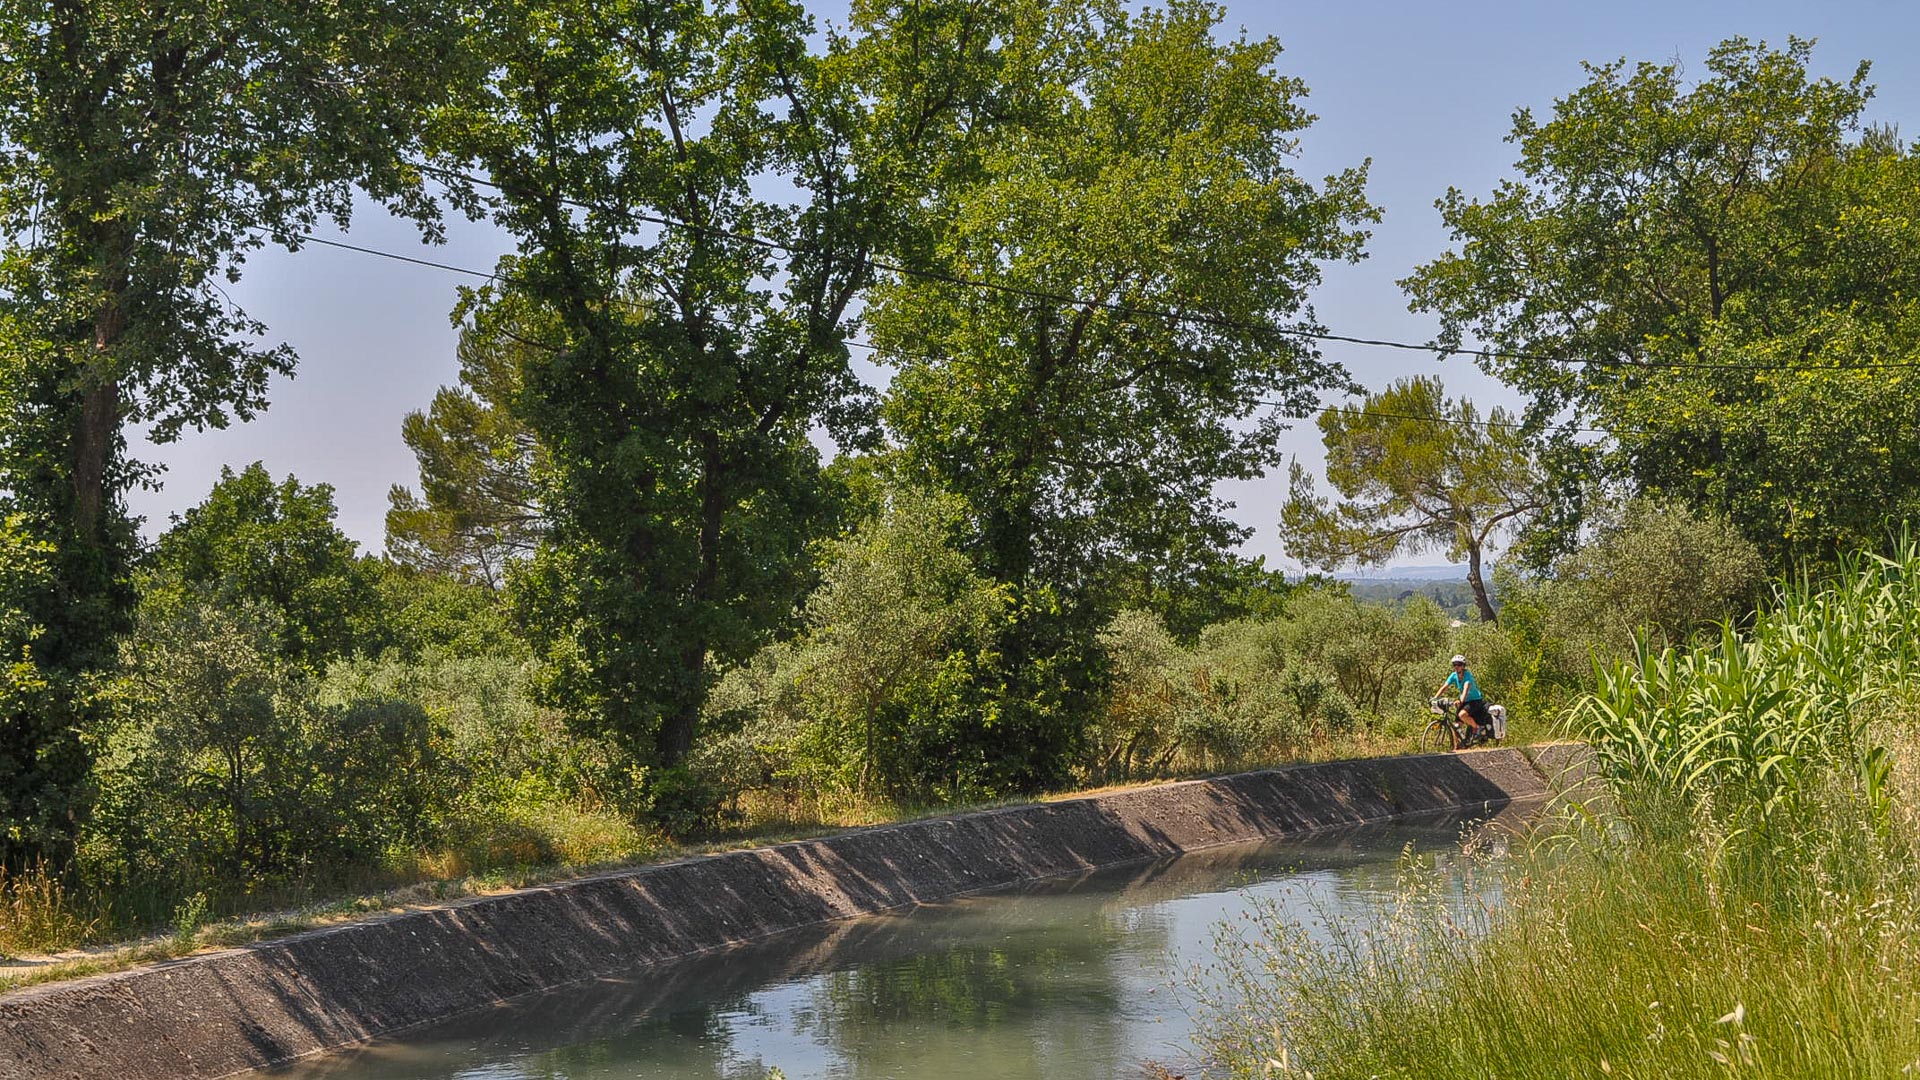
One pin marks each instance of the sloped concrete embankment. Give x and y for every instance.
(221, 1013)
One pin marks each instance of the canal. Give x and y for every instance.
(1065, 978)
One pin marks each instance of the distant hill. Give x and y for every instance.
(1456, 572)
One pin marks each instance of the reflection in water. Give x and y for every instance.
(1070, 977)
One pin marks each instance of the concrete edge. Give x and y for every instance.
(227, 1012)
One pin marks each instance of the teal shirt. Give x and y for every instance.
(1464, 682)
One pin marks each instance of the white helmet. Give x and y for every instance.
(1458, 660)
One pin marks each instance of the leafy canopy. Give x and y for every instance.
(478, 508)
(276, 545)
(682, 366)
(1664, 238)
(1416, 472)
(1151, 171)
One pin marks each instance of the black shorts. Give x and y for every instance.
(1477, 708)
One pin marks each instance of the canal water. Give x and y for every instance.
(1065, 978)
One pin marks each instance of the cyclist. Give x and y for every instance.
(1463, 687)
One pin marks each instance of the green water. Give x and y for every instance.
(1072, 977)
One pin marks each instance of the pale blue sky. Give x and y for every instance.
(1426, 90)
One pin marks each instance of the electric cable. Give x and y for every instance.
(1186, 316)
(898, 354)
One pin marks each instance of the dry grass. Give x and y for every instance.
(38, 913)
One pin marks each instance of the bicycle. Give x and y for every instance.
(1446, 733)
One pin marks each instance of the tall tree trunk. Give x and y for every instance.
(675, 740)
(95, 435)
(1479, 584)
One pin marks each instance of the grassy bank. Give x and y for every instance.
(1741, 901)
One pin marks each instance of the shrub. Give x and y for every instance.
(1657, 571)
(500, 762)
(1380, 656)
(224, 775)
(1245, 693)
(881, 691)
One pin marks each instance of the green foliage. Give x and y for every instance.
(238, 778)
(511, 784)
(1742, 729)
(152, 149)
(43, 758)
(1417, 472)
(1656, 571)
(252, 540)
(478, 507)
(1383, 659)
(1173, 710)
(1269, 689)
(876, 694)
(1751, 854)
(1455, 598)
(1224, 588)
(422, 614)
(225, 776)
(1149, 170)
(1142, 167)
(1660, 238)
(673, 388)
(149, 150)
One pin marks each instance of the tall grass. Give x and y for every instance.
(37, 912)
(1743, 900)
(1743, 725)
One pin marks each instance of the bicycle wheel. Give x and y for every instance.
(1439, 738)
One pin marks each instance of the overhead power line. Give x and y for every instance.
(899, 354)
(1201, 318)
(397, 257)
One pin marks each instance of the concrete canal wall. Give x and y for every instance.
(226, 1012)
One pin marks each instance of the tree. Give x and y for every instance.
(1653, 569)
(1375, 652)
(1709, 271)
(877, 671)
(256, 541)
(1142, 250)
(1417, 472)
(479, 508)
(149, 148)
(225, 774)
(697, 324)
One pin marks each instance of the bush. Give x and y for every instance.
(1379, 655)
(237, 776)
(879, 693)
(224, 776)
(500, 761)
(1657, 571)
(1256, 690)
